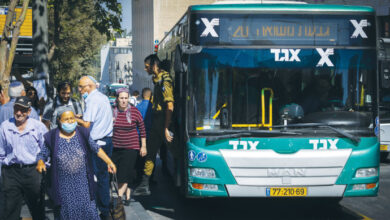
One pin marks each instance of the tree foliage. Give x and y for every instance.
(77, 30)
(107, 12)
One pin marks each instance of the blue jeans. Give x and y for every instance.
(101, 172)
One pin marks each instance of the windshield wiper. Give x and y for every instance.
(352, 137)
(214, 136)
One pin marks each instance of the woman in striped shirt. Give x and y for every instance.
(126, 140)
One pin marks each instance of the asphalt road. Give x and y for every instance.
(374, 207)
(165, 203)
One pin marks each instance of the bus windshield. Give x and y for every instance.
(240, 88)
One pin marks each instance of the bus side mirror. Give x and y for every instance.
(385, 74)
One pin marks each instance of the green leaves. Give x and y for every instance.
(77, 30)
(108, 16)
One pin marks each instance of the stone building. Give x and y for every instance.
(151, 20)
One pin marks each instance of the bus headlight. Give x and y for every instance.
(364, 186)
(366, 172)
(202, 172)
(201, 186)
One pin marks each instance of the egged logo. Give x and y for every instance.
(359, 28)
(210, 27)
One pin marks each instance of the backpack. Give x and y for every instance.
(74, 103)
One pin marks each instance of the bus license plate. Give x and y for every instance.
(286, 191)
(384, 147)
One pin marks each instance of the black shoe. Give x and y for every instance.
(142, 191)
(127, 202)
(143, 188)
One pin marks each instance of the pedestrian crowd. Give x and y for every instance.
(66, 149)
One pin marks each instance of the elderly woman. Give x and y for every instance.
(126, 140)
(70, 176)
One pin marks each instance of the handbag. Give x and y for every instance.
(117, 210)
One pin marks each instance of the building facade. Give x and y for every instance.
(116, 62)
(142, 29)
(151, 20)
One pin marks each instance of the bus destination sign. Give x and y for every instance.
(282, 29)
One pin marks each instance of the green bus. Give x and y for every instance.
(274, 100)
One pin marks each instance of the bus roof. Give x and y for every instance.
(257, 2)
(282, 7)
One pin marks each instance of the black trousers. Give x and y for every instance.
(20, 183)
(125, 160)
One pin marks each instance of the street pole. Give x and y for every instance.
(40, 40)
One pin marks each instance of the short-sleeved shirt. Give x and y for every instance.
(163, 91)
(133, 101)
(7, 111)
(50, 113)
(99, 113)
(21, 147)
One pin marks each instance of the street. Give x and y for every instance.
(165, 203)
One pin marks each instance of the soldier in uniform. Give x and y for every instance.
(162, 110)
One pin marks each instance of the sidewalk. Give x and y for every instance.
(133, 212)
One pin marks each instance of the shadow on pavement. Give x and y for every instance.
(166, 203)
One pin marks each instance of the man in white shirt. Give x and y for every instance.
(134, 98)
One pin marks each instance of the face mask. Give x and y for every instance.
(68, 128)
(85, 95)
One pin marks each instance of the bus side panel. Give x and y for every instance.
(362, 158)
(213, 160)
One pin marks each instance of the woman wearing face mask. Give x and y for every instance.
(70, 176)
(126, 140)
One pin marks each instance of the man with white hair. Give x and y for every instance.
(98, 117)
(15, 90)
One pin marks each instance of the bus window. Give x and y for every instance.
(235, 79)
